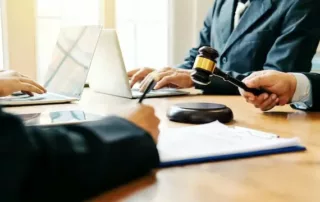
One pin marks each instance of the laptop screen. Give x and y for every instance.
(71, 60)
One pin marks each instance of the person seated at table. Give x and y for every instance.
(75, 162)
(250, 36)
(12, 81)
(301, 90)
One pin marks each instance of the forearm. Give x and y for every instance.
(80, 161)
(16, 155)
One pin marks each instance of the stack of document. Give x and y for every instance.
(215, 142)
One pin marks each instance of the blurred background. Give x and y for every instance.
(153, 33)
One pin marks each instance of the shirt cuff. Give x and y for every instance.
(302, 98)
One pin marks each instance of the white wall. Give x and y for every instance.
(202, 9)
(21, 26)
(186, 20)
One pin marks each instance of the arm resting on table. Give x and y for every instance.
(73, 162)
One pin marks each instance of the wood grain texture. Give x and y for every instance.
(291, 177)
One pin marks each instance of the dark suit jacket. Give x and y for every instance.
(273, 34)
(70, 163)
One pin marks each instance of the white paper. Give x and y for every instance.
(216, 139)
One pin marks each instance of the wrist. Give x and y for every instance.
(292, 86)
(191, 83)
(188, 81)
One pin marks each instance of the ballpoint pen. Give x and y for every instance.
(152, 82)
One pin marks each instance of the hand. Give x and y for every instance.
(282, 87)
(144, 117)
(173, 78)
(10, 73)
(9, 85)
(139, 74)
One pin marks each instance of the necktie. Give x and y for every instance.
(241, 8)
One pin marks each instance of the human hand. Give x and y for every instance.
(281, 86)
(173, 77)
(139, 74)
(9, 85)
(10, 73)
(144, 117)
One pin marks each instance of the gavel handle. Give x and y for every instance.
(238, 83)
(255, 91)
(243, 86)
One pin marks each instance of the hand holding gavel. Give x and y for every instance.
(205, 67)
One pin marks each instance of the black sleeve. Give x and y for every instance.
(71, 163)
(292, 51)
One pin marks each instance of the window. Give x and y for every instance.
(158, 33)
(142, 27)
(53, 14)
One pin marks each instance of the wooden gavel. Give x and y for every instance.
(205, 67)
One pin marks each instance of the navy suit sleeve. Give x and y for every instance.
(71, 163)
(204, 40)
(292, 51)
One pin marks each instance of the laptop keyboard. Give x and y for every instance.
(160, 92)
(137, 91)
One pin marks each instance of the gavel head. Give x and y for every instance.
(204, 65)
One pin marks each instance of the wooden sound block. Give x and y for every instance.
(199, 113)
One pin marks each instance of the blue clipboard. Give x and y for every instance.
(232, 156)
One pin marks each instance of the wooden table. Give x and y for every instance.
(286, 177)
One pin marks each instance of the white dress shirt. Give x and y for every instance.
(241, 8)
(302, 97)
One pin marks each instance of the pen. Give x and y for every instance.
(148, 89)
(153, 78)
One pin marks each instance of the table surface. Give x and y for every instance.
(285, 177)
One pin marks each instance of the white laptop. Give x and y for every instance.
(108, 73)
(68, 71)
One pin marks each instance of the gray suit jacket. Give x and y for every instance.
(273, 34)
